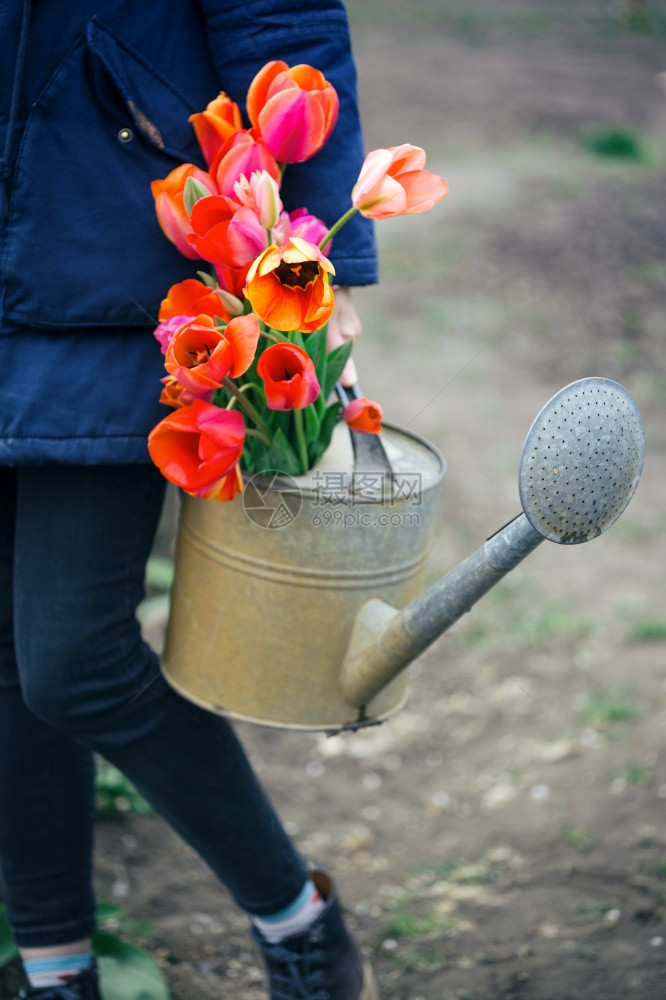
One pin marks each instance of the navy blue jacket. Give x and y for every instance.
(95, 97)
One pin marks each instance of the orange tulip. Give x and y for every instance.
(170, 206)
(293, 109)
(216, 124)
(289, 376)
(393, 182)
(288, 286)
(192, 298)
(197, 446)
(364, 415)
(200, 356)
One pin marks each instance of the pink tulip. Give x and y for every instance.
(294, 110)
(242, 154)
(393, 182)
(261, 193)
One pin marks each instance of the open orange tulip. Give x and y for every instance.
(393, 182)
(293, 108)
(197, 446)
(288, 286)
(200, 356)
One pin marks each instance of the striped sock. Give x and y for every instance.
(55, 970)
(295, 918)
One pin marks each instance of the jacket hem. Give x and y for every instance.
(114, 450)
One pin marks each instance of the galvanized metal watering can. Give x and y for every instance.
(301, 606)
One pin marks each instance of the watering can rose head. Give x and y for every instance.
(250, 375)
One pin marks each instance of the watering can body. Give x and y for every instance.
(268, 587)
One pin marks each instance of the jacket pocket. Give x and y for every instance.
(83, 247)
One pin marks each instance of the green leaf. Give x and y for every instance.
(107, 911)
(335, 363)
(311, 423)
(8, 949)
(315, 345)
(280, 456)
(127, 972)
(328, 422)
(194, 191)
(208, 279)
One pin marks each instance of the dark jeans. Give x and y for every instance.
(76, 677)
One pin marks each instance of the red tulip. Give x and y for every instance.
(288, 286)
(227, 488)
(364, 415)
(197, 446)
(170, 206)
(393, 182)
(289, 377)
(200, 356)
(225, 232)
(293, 109)
(216, 124)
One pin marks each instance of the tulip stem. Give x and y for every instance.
(247, 407)
(275, 336)
(337, 226)
(251, 432)
(300, 440)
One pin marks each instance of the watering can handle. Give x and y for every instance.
(370, 456)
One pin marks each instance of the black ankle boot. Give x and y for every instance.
(323, 963)
(85, 986)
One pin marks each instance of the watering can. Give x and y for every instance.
(302, 606)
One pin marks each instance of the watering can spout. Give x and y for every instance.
(579, 468)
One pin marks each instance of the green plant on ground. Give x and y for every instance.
(648, 630)
(613, 142)
(634, 773)
(115, 795)
(611, 704)
(127, 971)
(580, 838)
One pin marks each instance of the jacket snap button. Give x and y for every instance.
(126, 135)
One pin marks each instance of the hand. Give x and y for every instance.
(344, 324)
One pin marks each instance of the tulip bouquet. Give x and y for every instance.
(250, 378)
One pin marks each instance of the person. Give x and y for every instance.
(95, 100)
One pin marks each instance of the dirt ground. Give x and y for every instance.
(503, 836)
